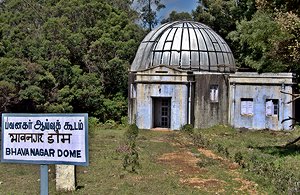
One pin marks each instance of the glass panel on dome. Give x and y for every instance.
(159, 45)
(177, 40)
(195, 59)
(217, 47)
(189, 25)
(204, 59)
(171, 35)
(175, 58)
(226, 48)
(220, 58)
(207, 41)
(157, 57)
(211, 35)
(212, 59)
(166, 58)
(226, 58)
(194, 41)
(185, 39)
(223, 48)
(231, 59)
(185, 59)
(180, 25)
(221, 43)
(201, 42)
(167, 46)
(161, 42)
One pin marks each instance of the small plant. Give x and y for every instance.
(199, 140)
(132, 132)
(187, 128)
(131, 158)
(220, 148)
(226, 153)
(206, 162)
(93, 125)
(110, 124)
(238, 158)
(129, 150)
(124, 121)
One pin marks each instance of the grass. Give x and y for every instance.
(261, 154)
(171, 163)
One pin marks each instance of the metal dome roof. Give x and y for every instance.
(186, 45)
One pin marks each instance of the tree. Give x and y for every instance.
(222, 15)
(269, 41)
(66, 55)
(149, 9)
(174, 16)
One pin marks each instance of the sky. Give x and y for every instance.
(177, 5)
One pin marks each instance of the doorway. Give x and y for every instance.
(162, 112)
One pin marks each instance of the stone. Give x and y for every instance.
(65, 178)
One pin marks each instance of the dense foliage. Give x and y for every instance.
(175, 16)
(66, 56)
(73, 55)
(263, 34)
(148, 12)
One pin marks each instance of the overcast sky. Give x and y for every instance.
(177, 5)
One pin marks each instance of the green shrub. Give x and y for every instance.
(187, 128)
(199, 140)
(110, 124)
(124, 121)
(238, 158)
(132, 132)
(206, 162)
(93, 124)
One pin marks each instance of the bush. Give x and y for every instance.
(94, 124)
(187, 128)
(199, 140)
(206, 162)
(110, 124)
(238, 158)
(132, 132)
(124, 120)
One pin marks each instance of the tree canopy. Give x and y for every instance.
(174, 16)
(148, 12)
(67, 56)
(263, 34)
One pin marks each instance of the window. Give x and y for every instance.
(214, 93)
(246, 106)
(272, 107)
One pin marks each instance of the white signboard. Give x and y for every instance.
(45, 138)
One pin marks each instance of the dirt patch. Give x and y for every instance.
(210, 154)
(210, 185)
(183, 161)
(185, 164)
(247, 185)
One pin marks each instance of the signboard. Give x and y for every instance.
(45, 138)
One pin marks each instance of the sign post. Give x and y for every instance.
(44, 180)
(45, 139)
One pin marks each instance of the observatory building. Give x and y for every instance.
(185, 73)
